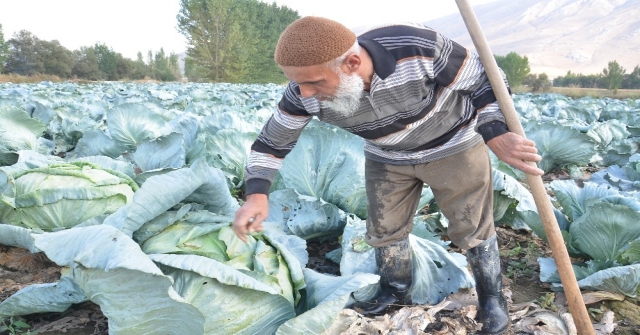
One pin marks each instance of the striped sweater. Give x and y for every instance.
(429, 98)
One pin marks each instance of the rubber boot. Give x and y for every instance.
(485, 264)
(395, 268)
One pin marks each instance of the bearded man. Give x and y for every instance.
(425, 108)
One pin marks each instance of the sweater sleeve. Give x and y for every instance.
(277, 138)
(459, 69)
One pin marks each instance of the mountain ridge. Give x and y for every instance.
(581, 36)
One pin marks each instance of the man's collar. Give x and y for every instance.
(384, 64)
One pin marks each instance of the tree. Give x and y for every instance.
(86, 66)
(233, 40)
(515, 67)
(23, 58)
(215, 39)
(537, 82)
(267, 23)
(612, 76)
(632, 80)
(56, 59)
(107, 61)
(4, 49)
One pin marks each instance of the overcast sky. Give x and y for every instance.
(129, 26)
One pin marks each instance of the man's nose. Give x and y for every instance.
(307, 92)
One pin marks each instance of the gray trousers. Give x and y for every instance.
(462, 188)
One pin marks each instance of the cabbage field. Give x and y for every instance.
(132, 187)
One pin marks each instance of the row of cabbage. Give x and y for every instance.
(132, 189)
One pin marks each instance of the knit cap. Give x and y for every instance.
(311, 41)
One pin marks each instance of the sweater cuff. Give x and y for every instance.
(256, 185)
(492, 129)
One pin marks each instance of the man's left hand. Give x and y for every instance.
(516, 151)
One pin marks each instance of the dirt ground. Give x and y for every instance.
(534, 308)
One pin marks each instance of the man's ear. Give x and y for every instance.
(353, 62)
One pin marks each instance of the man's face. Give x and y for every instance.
(339, 91)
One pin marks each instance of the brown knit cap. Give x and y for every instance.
(312, 41)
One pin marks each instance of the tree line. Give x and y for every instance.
(26, 55)
(228, 41)
(612, 77)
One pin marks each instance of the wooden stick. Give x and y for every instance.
(545, 208)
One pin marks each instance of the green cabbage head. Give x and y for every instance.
(63, 195)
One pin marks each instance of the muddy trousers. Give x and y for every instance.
(461, 185)
(463, 190)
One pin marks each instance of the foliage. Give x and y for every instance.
(27, 55)
(597, 224)
(23, 57)
(233, 41)
(516, 67)
(613, 75)
(4, 50)
(170, 244)
(538, 83)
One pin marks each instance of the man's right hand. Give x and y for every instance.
(250, 215)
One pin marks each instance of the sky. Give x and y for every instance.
(132, 26)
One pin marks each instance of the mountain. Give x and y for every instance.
(581, 36)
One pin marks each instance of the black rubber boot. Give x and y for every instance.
(485, 264)
(395, 268)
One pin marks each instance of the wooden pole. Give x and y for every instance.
(569, 283)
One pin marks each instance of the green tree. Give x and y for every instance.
(537, 82)
(107, 61)
(632, 80)
(4, 49)
(56, 59)
(23, 58)
(232, 40)
(165, 68)
(86, 65)
(612, 76)
(515, 67)
(214, 36)
(267, 21)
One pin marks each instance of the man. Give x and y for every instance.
(425, 108)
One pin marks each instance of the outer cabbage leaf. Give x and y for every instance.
(322, 288)
(228, 150)
(605, 230)
(304, 216)
(618, 279)
(198, 183)
(328, 163)
(18, 237)
(161, 152)
(632, 255)
(576, 148)
(232, 303)
(316, 321)
(575, 200)
(42, 298)
(436, 272)
(63, 195)
(17, 132)
(115, 274)
(510, 199)
(132, 123)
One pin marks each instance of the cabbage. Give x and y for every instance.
(61, 195)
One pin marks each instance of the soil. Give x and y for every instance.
(528, 296)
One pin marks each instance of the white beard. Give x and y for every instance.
(347, 98)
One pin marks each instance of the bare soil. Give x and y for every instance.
(519, 253)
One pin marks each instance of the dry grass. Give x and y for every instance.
(17, 79)
(579, 92)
